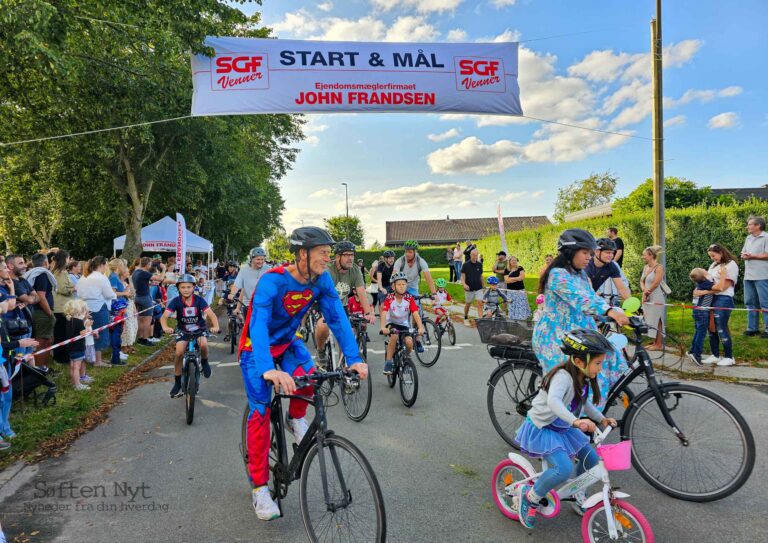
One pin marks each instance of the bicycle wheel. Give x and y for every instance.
(716, 460)
(631, 523)
(409, 382)
(233, 336)
(451, 331)
(356, 511)
(392, 377)
(511, 390)
(311, 329)
(431, 342)
(192, 378)
(356, 397)
(504, 487)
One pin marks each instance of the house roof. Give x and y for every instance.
(452, 230)
(744, 194)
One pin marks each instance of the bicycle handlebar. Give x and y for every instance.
(180, 335)
(600, 436)
(318, 378)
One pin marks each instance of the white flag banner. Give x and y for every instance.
(502, 234)
(250, 75)
(181, 242)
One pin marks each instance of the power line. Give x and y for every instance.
(566, 35)
(62, 136)
(587, 128)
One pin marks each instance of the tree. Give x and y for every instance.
(278, 246)
(595, 190)
(678, 193)
(349, 228)
(375, 245)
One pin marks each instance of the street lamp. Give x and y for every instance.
(346, 201)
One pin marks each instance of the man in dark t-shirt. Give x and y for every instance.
(602, 268)
(613, 234)
(141, 278)
(472, 281)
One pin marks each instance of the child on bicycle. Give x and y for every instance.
(396, 312)
(493, 298)
(441, 297)
(191, 311)
(354, 306)
(553, 430)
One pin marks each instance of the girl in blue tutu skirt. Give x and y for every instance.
(553, 430)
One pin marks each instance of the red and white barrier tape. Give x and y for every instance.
(109, 325)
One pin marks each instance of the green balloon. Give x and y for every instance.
(631, 305)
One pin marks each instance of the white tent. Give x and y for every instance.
(161, 237)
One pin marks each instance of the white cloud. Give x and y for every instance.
(730, 91)
(677, 120)
(555, 143)
(299, 23)
(600, 65)
(515, 196)
(448, 134)
(507, 35)
(314, 126)
(415, 197)
(323, 193)
(422, 6)
(471, 155)
(363, 29)
(728, 119)
(312, 140)
(503, 3)
(325, 6)
(293, 217)
(411, 29)
(457, 34)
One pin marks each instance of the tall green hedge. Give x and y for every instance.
(435, 256)
(689, 232)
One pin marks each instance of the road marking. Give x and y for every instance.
(375, 351)
(227, 364)
(463, 345)
(452, 348)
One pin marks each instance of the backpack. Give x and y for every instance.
(418, 265)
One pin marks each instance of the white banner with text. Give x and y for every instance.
(250, 75)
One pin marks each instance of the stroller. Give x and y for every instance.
(29, 382)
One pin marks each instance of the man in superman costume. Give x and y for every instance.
(281, 299)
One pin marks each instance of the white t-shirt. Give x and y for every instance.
(731, 272)
(399, 312)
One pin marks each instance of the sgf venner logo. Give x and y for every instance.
(480, 74)
(240, 72)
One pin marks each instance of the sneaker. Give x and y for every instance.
(176, 391)
(86, 379)
(9, 436)
(153, 340)
(419, 347)
(123, 356)
(527, 510)
(144, 342)
(81, 386)
(389, 366)
(263, 504)
(119, 363)
(226, 338)
(712, 359)
(102, 365)
(206, 369)
(578, 504)
(4, 445)
(695, 358)
(727, 362)
(298, 427)
(749, 333)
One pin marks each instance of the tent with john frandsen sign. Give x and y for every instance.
(160, 237)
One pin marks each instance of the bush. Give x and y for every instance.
(689, 232)
(435, 256)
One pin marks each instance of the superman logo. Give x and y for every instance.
(294, 302)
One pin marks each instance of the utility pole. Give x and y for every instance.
(346, 201)
(659, 235)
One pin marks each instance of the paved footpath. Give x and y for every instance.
(147, 476)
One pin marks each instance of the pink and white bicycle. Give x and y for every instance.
(607, 516)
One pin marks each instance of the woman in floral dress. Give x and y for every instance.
(569, 303)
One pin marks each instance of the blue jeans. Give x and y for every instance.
(756, 297)
(457, 266)
(25, 350)
(561, 468)
(6, 399)
(721, 326)
(701, 326)
(116, 342)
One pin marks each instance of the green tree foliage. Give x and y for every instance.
(349, 228)
(375, 245)
(277, 245)
(597, 189)
(73, 66)
(678, 193)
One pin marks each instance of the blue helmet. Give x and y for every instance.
(493, 280)
(257, 251)
(118, 305)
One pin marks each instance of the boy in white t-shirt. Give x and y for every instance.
(441, 298)
(396, 312)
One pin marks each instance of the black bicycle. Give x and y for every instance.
(339, 493)
(445, 326)
(190, 370)
(687, 442)
(234, 326)
(310, 323)
(403, 368)
(429, 345)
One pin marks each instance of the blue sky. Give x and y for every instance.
(406, 166)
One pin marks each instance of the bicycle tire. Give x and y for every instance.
(590, 523)
(193, 377)
(505, 473)
(735, 440)
(409, 382)
(432, 343)
(367, 499)
(357, 403)
(508, 386)
(392, 377)
(232, 337)
(311, 329)
(451, 331)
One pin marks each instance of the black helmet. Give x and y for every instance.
(307, 237)
(344, 246)
(388, 253)
(576, 238)
(606, 244)
(583, 341)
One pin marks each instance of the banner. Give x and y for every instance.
(181, 243)
(501, 228)
(250, 75)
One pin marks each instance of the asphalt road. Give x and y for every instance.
(147, 476)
